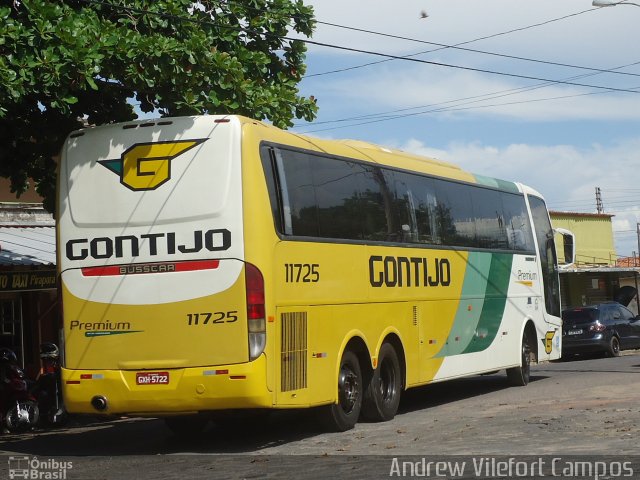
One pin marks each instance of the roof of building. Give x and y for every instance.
(24, 245)
(604, 269)
(555, 213)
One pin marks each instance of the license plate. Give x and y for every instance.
(574, 332)
(152, 378)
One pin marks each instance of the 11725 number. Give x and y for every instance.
(205, 318)
(302, 272)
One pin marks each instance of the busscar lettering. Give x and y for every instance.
(392, 271)
(152, 244)
(151, 268)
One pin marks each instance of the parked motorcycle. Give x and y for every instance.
(47, 389)
(18, 407)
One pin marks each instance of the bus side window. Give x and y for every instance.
(418, 208)
(516, 238)
(268, 158)
(520, 236)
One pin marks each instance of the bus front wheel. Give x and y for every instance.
(519, 376)
(382, 396)
(344, 414)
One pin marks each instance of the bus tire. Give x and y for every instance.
(344, 414)
(382, 395)
(519, 376)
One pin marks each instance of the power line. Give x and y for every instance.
(456, 108)
(458, 44)
(460, 67)
(489, 96)
(266, 34)
(457, 47)
(350, 49)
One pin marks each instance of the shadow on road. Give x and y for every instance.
(136, 436)
(437, 394)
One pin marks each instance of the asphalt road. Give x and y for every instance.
(586, 408)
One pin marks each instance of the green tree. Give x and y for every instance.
(65, 62)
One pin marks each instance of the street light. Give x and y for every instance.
(612, 3)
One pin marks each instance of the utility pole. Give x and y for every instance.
(599, 206)
(635, 260)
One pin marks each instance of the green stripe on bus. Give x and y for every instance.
(494, 302)
(497, 183)
(470, 304)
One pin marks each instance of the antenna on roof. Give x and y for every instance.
(599, 206)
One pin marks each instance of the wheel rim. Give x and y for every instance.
(22, 415)
(11, 419)
(387, 386)
(349, 386)
(526, 359)
(615, 346)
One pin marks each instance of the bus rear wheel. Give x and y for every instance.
(382, 396)
(344, 414)
(519, 376)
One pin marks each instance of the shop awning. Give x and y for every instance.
(27, 246)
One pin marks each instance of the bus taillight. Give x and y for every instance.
(255, 311)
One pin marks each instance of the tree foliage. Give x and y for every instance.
(66, 62)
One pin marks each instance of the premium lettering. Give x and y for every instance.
(89, 326)
(150, 244)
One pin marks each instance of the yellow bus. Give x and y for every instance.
(216, 263)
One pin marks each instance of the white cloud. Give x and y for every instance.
(571, 186)
(581, 37)
(583, 155)
(597, 38)
(462, 93)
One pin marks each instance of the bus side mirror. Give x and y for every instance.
(568, 247)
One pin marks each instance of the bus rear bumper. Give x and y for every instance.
(168, 392)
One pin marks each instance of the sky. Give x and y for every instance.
(550, 118)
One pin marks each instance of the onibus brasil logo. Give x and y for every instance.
(32, 468)
(146, 166)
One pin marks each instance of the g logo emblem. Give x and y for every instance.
(146, 166)
(548, 342)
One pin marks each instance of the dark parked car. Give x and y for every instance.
(605, 327)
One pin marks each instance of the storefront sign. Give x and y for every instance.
(27, 280)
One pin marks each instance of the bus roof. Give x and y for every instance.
(355, 149)
(372, 152)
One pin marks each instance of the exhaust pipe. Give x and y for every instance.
(99, 403)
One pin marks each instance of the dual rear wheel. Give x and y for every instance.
(376, 398)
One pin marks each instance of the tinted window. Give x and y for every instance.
(625, 314)
(344, 198)
(301, 195)
(337, 198)
(547, 253)
(454, 214)
(417, 208)
(516, 222)
(581, 315)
